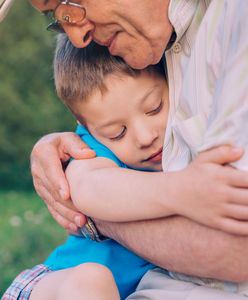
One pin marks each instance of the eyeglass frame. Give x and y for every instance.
(56, 24)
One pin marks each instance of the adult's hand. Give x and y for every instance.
(48, 159)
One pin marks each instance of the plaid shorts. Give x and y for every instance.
(23, 284)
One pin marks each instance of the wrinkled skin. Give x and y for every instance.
(127, 32)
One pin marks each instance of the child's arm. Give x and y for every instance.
(104, 191)
(101, 189)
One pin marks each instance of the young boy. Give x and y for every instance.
(126, 111)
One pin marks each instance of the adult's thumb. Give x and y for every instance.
(75, 147)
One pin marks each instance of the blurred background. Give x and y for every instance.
(29, 109)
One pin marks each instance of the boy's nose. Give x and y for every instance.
(145, 136)
(80, 35)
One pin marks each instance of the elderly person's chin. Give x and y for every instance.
(140, 60)
(138, 55)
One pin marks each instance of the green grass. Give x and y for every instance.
(27, 234)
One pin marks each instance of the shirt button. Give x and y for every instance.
(177, 48)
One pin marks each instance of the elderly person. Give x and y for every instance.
(192, 36)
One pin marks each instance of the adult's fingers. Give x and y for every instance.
(237, 196)
(70, 214)
(221, 155)
(46, 162)
(48, 199)
(237, 211)
(73, 146)
(233, 177)
(62, 215)
(47, 159)
(63, 222)
(64, 211)
(49, 178)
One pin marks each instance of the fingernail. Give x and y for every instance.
(78, 221)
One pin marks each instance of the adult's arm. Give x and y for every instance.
(179, 244)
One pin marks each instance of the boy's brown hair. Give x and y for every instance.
(79, 72)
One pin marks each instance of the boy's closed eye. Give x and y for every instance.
(152, 112)
(120, 135)
(157, 109)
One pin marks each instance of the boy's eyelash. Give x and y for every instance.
(153, 112)
(119, 136)
(158, 109)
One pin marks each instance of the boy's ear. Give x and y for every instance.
(81, 123)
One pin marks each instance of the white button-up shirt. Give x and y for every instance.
(208, 79)
(208, 88)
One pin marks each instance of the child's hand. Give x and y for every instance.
(213, 193)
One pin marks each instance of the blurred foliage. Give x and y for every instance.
(28, 104)
(27, 234)
(29, 109)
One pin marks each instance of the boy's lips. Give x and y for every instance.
(155, 157)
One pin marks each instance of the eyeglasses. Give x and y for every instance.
(65, 12)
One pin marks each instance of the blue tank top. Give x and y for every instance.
(127, 267)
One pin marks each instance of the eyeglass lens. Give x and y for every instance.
(66, 13)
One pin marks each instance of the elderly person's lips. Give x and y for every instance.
(106, 43)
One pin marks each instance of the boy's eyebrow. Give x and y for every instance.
(145, 97)
(110, 123)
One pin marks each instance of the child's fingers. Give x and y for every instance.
(237, 211)
(233, 226)
(221, 155)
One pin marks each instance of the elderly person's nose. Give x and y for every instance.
(80, 35)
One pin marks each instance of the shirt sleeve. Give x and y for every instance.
(100, 149)
(228, 121)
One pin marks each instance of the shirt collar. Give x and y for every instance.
(181, 13)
